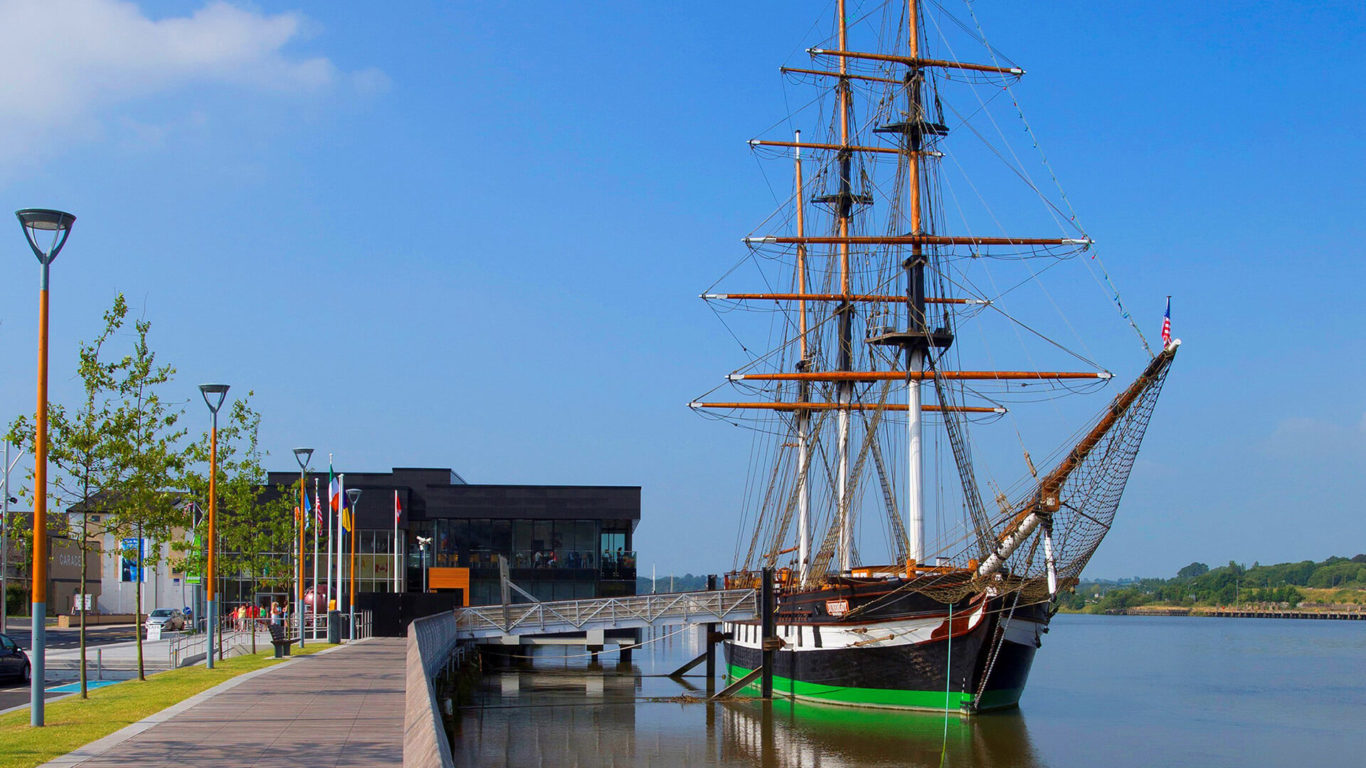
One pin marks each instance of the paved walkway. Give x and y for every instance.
(338, 708)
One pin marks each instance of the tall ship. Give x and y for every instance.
(917, 317)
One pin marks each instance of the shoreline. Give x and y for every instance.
(1356, 613)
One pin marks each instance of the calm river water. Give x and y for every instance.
(1105, 691)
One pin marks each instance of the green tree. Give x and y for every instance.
(254, 524)
(149, 458)
(81, 449)
(1192, 570)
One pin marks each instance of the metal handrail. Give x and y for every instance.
(572, 615)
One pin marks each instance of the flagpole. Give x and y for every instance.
(316, 501)
(351, 581)
(396, 513)
(341, 553)
(341, 536)
(331, 593)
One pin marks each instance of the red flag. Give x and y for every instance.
(398, 508)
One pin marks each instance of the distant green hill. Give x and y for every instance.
(1335, 580)
(685, 583)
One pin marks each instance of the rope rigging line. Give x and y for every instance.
(1114, 291)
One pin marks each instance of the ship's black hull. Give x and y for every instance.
(978, 660)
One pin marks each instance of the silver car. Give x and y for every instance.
(166, 618)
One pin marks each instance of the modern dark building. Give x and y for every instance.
(560, 542)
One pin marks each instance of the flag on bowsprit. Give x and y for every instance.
(1167, 325)
(398, 508)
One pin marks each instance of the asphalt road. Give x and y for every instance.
(13, 693)
(71, 638)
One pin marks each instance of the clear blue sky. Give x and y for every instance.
(472, 235)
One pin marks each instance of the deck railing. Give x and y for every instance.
(606, 613)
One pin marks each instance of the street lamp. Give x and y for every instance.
(422, 542)
(37, 223)
(354, 495)
(302, 455)
(213, 397)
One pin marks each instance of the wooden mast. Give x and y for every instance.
(866, 376)
(915, 306)
(803, 388)
(876, 298)
(845, 390)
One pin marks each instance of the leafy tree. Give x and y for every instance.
(254, 524)
(1192, 570)
(150, 460)
(81, 449)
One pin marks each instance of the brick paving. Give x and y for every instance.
(341, 709)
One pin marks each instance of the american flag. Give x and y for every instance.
(1167, 325)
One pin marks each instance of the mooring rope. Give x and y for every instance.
(948, 683)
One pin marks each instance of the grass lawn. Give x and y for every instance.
(74, 722)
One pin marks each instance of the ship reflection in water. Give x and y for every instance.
(783, 733)
(615, 716)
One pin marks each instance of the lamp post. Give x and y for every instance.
(38, 222)
(302, 455)
(354, 495)
(213, 397)
(422, 542)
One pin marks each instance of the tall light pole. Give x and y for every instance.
(422, 542)
(39, 222)
(354, 495)
(213, 397)
(302, 455)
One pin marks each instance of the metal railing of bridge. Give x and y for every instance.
(606, 613)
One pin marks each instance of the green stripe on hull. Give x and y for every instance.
(882, 697)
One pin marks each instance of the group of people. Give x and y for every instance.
(246, 613)
(622, 564)
(550, 558)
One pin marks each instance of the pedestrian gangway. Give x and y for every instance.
(605, 614)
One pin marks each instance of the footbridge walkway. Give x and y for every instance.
(520, 620)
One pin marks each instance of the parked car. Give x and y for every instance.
(13, 660)
(166, 618)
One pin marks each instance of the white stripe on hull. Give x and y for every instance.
(873, 634)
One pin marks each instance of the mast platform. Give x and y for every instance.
(939, 338)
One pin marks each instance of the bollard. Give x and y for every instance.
(767, 608)
(709, 632)
(99, 663)
(334, 627)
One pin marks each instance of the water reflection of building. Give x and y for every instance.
(788, 733)
(561, 542)
(577, 716)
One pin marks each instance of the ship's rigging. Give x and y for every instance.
(872, 288)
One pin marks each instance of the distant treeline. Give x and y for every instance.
(685, 583)
(1198, 584)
